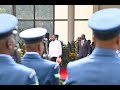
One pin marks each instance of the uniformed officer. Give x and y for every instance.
(12, 73)
(102, 67)
(16, 55)
(47, 71)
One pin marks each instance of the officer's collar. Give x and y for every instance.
(5, 57)
(104, 52)
(32, 55)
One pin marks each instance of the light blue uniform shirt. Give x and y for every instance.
(102, 67)
(46, 71)
(12, 73)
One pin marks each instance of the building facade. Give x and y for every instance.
(68, 21)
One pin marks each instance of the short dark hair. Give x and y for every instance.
(106, 35)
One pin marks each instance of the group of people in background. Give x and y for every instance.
(84, 47)
(100, 66)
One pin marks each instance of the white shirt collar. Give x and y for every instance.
(55, 40)
(117, 51)
(32, 53)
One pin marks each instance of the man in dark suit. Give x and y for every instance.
(83, 47)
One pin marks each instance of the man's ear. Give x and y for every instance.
(39, 47)
(118, 40)
(9, 44)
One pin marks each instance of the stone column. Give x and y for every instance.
(70, 23)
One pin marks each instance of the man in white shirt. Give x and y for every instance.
(55, 48)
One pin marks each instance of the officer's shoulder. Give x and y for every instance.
(24, 69)
(51, 63)
(79, 62)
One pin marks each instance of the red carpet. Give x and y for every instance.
(63, 73)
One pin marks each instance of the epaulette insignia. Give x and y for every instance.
(57, 75)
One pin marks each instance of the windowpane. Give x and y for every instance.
(6, 9)
(44, 11)
(22, 25)
(24, 11)
(83, 11)
(61, 28)
(81, 27)
(61, 11)
(45, 24)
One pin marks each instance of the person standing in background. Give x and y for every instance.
(57, 36)
(16, 55)
(83, 47)
(93, 45)
(89, 41)
(55, 49)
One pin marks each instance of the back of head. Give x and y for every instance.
(8, 23)
(105, 25)
(33, 39)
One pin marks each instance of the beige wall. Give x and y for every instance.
(80, 27)
(61, 28)
(83, 11)
(61, 11)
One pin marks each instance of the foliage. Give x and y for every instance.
(69, 52)
(21, 48)
(70, 45)
(61, 82)
(21, 44)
